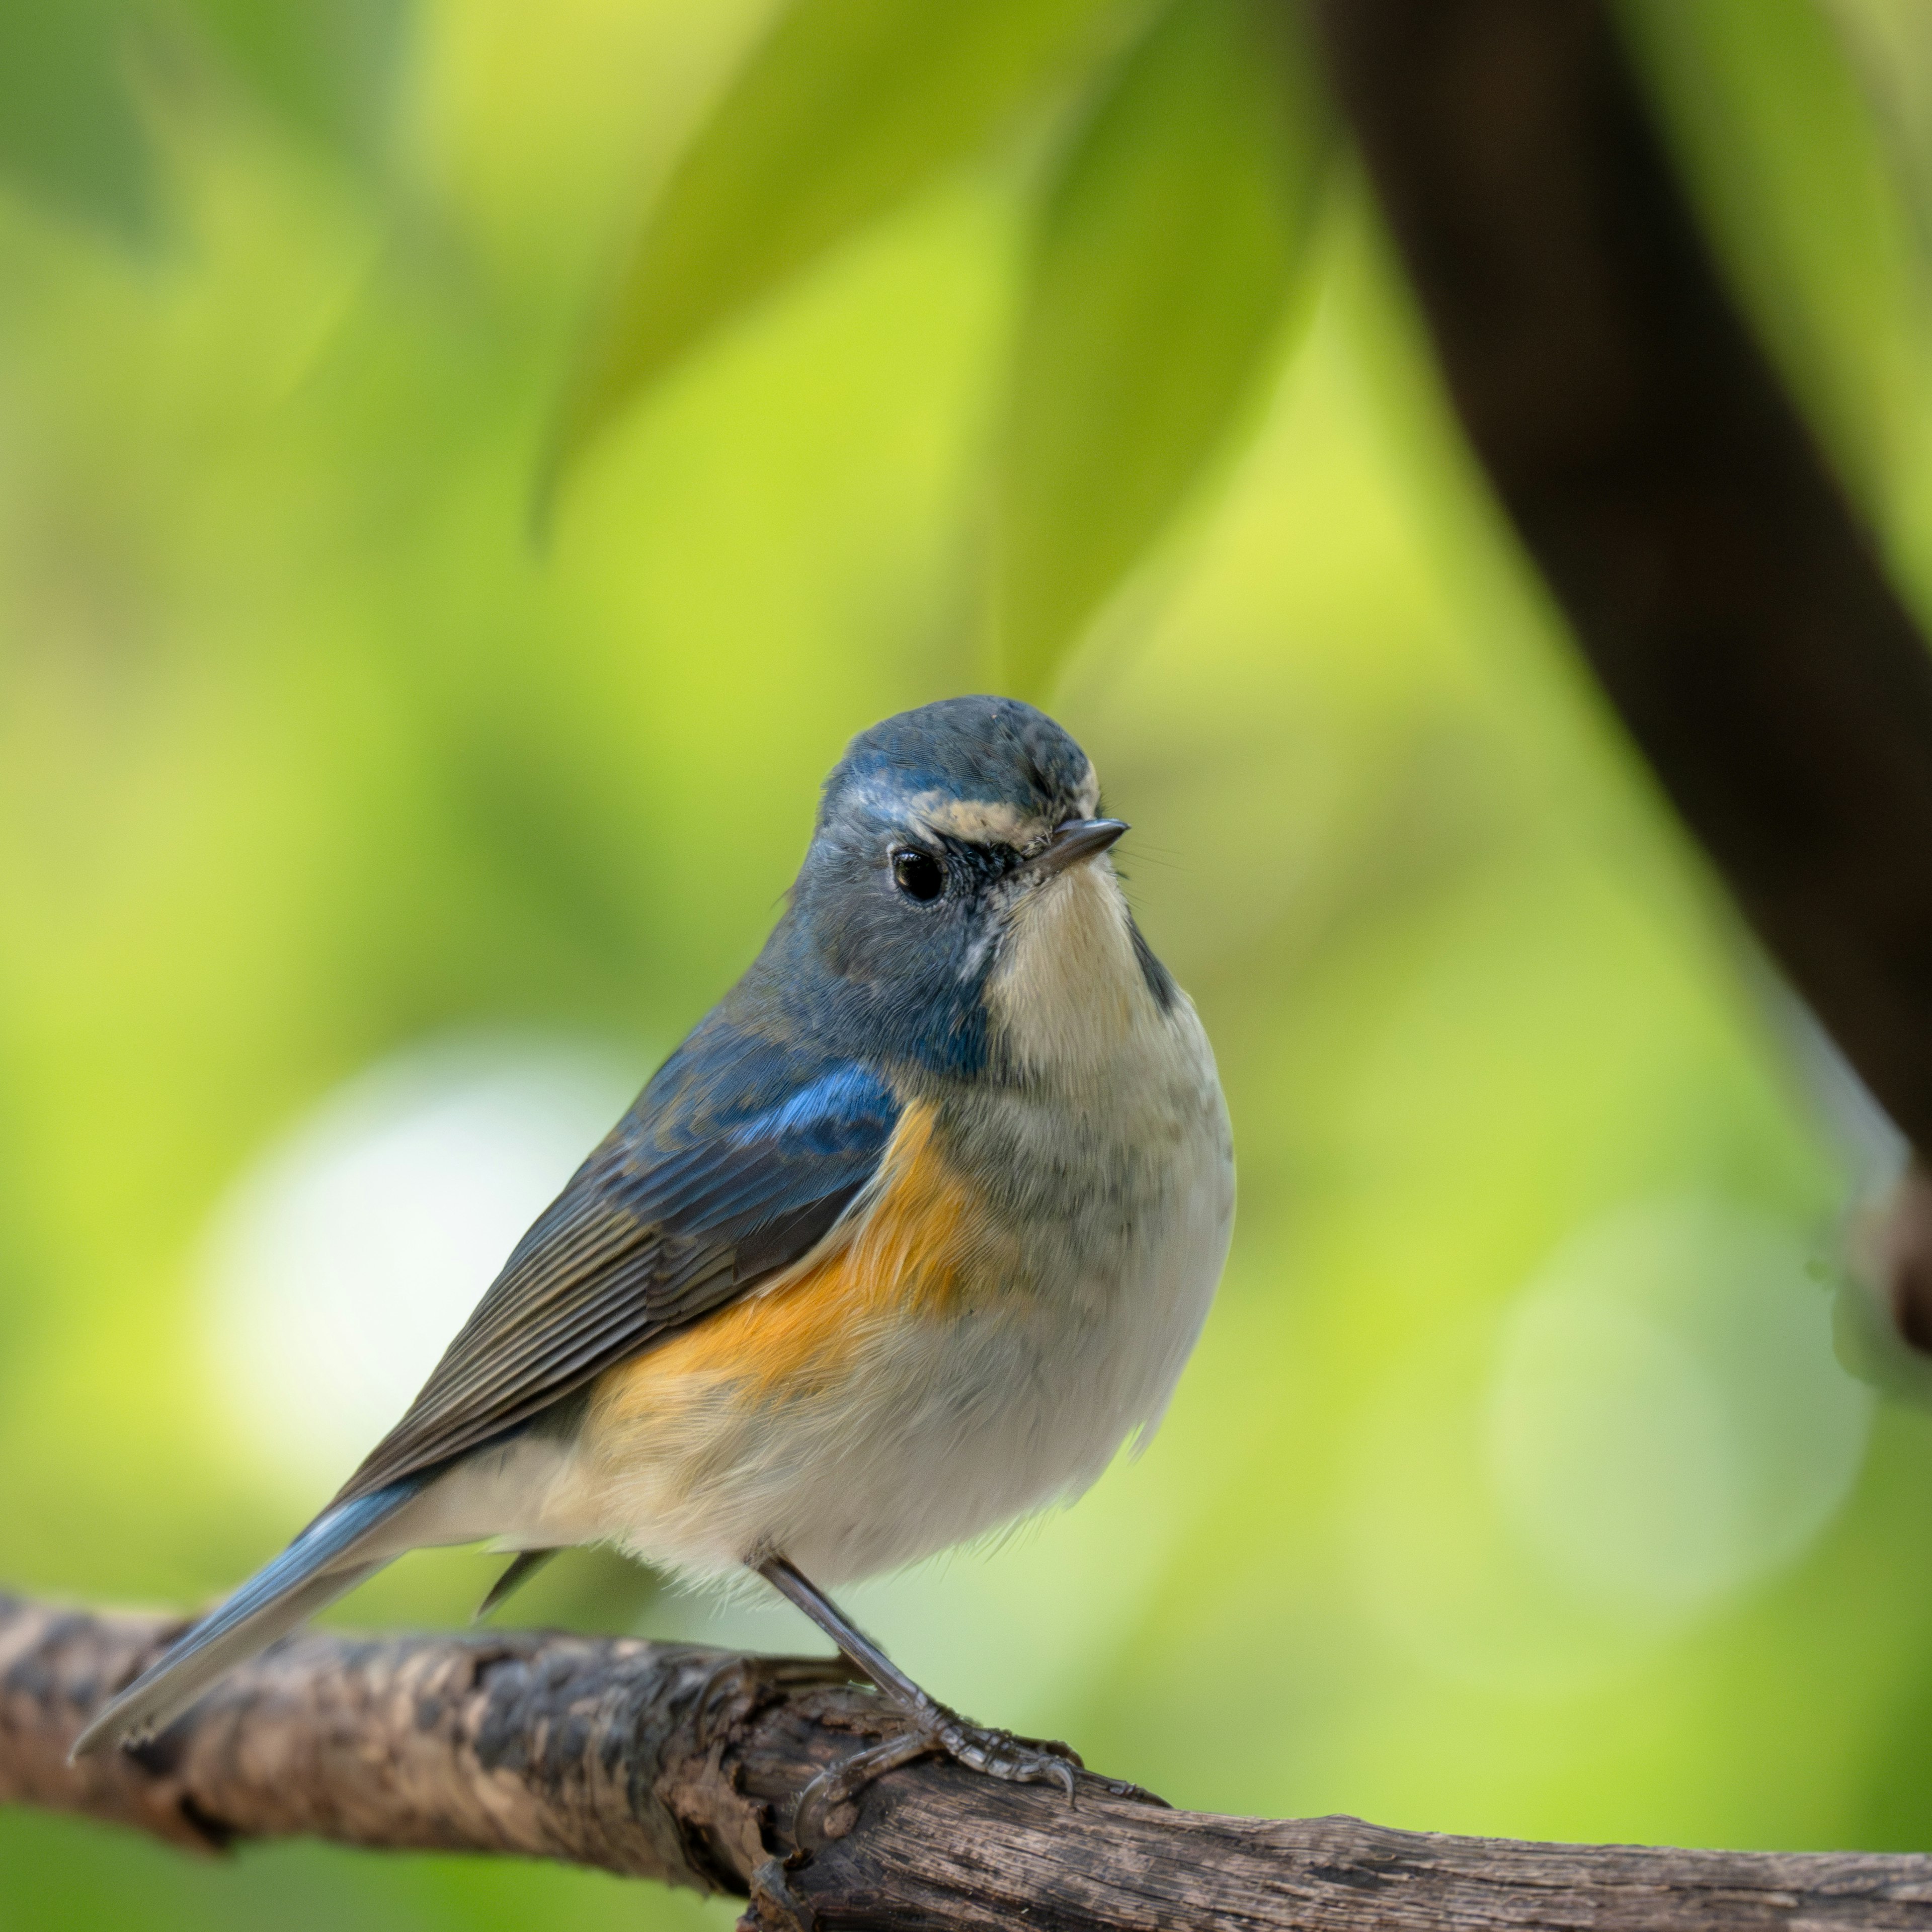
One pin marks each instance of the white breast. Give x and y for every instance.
(1114, 1154)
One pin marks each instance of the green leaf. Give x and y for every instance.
(326, 67)
(1170, 242)
(847, 105)
(69, 130)
(1889, 45)
(1786, 165)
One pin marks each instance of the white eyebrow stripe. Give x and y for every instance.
(984, 821)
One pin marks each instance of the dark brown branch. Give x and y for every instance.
(1724, 595)
(673, 1762)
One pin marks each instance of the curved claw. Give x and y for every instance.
(1001, 1755)
(1120, 1787)
(815, 1822)
(994, 1753)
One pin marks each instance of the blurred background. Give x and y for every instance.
(466, 470)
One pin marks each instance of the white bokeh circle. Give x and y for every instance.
(344, 1259)
(1667, 1421)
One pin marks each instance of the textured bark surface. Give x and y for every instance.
(673, 1762)
(1723, 592)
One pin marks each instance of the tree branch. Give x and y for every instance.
(674, 1762)
(1722, 591)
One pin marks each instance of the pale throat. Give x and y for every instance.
(1068, 994)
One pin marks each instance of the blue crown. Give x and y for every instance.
(990, 750)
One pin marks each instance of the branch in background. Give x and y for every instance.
(669, 1762)
(1716, 581)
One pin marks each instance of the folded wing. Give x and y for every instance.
(738, 1158)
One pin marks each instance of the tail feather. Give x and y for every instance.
(318, 1566)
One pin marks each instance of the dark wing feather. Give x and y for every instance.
(736, 1159)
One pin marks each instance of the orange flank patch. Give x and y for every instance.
(918, 1251)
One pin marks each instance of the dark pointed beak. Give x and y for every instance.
(1078, 838)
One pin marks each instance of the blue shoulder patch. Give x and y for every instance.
(847, 1103)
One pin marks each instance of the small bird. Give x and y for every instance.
(917, 1226)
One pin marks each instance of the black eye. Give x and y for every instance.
(919, 875)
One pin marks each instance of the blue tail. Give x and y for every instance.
(320, 1565)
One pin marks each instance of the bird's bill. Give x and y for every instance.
(1078, 838)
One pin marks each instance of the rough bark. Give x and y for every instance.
(673, 1762)
(1724, 595)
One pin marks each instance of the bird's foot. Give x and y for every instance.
(1014, 1760)
(825, 1807)
(1026, 1760)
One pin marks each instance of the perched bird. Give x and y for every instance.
(917, 1226)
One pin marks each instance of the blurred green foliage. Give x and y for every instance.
(1513, 1488)
(75, 75)
(846, 108)
(1168, 239)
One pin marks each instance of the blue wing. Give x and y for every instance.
(737, 1159)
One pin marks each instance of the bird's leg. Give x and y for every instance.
(934, 1726)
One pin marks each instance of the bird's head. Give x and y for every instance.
(958, 893)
